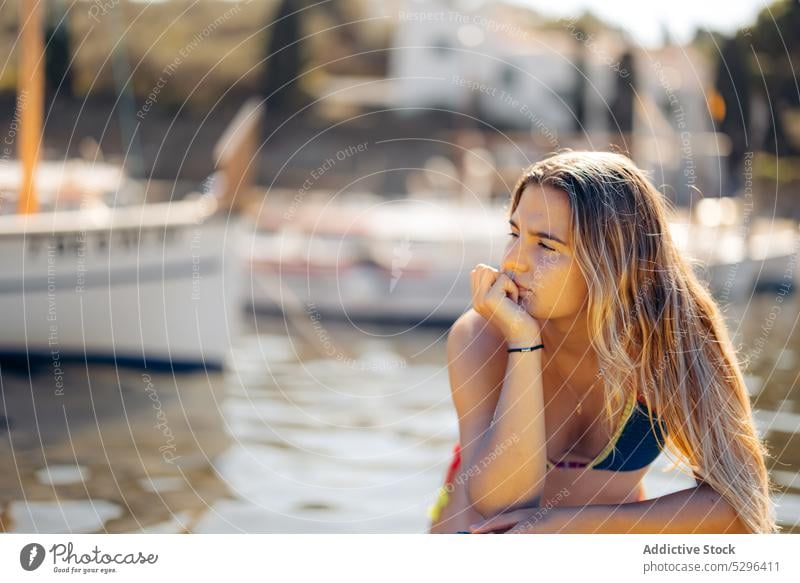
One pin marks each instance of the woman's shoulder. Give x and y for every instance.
(476, 350)
(473, 329)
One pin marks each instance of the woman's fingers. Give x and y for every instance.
(504, 286)
(490, 289)
(488, 279)
(502, 522)
(483, 277)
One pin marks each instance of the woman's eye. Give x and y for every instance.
(542, 245)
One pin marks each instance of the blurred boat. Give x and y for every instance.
(409, 260)
(738, 256)
(383, 261)
(141, 284)
(90, 271)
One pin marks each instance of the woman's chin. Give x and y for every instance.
(530, 308)
(525, 302)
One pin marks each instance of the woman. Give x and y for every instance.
(617, 352)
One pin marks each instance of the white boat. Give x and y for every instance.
(146, 285)
(83, 276)
(409, 260)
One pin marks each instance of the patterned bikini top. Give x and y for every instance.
(634, 445)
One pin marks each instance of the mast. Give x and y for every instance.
(30, 100)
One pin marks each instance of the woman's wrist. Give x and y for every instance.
(525, 339)
(526, 348)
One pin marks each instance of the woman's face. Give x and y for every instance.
(540, 257)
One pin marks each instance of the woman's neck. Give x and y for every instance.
(568, 345)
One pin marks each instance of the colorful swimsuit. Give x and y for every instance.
(634, 445)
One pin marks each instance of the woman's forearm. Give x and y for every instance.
(508, 467)
(698, 510)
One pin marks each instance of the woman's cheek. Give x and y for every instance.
(545, 272)
(574, 285)
(573, 275)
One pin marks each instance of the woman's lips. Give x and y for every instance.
(522, 288)
(525, 295)
(524, 291)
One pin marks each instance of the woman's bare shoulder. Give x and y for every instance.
(476, 366)
(472, 327)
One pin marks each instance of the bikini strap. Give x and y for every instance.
(626, 415)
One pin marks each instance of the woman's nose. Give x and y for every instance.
(511, 271)
(512, 262)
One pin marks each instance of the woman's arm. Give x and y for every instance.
(698, 510)
(476, 357)
(508, 467)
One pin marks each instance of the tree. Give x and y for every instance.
(285, 59)
(775, 38)
(57, 72)
(621, 111)
(732, 84)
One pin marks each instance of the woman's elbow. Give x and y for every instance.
(727, 519)
(490, 499)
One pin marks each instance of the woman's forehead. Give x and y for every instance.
(543, 208)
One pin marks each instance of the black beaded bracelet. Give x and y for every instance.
(527, 348)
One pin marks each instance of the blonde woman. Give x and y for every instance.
(591, 350)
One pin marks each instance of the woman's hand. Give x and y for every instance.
(495, 296)
(526, 521)
(502, 522)
(549, 520)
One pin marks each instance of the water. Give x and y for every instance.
(335, 429)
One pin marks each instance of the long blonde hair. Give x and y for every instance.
(656, 328)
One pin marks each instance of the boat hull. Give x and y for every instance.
(163, 294)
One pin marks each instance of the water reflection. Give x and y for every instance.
(91, 458)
